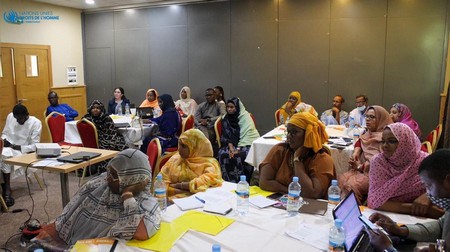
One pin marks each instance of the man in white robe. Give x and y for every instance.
(20, 135)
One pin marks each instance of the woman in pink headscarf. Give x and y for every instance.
(401, 113)
(395, 185)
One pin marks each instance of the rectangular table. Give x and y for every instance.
(29, 159)
(261, 146)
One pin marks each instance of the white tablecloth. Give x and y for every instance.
(261, 146)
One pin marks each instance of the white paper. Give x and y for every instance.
(261, 201)
(47, 162)
(222, 208)
(214, 195)
(188, 203)
(313, 235)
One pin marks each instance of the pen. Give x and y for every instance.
(200, 200)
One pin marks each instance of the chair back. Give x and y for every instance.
(438, 135)
(88, 133)
(218, 130)
(56, 125)
(153, 153)
(426, 147)
(162, 160)
(277, 118)
(188, 123)
(431, 137)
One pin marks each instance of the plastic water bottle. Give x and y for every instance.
(356, 134)
(119, 110)
(127, 109)
(293, 202)
(160, 192)
(216, 248)
(337, 237)
(242, 196)
(334, 193)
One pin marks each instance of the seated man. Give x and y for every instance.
(356, 117)
(20, 134)
(335, 115)
(64, 109)
(207, 114)
(434, 171)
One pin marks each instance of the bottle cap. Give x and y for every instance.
(243, 178)
(295, 179)
(334, 182)
(159, 176)
(338, 223)
(216, 247)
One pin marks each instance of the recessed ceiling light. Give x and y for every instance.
(89, 1)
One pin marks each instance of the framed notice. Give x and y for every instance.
(72, 75)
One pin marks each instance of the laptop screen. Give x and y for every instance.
(145, 112)
(348, 211)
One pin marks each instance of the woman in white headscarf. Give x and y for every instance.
(186, 105)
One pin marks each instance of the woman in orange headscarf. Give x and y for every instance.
(151, 99)
(303, 156)
(293, 105)
(193, 169)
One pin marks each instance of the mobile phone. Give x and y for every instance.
(275, 196)
(368, 223)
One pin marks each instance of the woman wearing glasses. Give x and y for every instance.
(395, 185)
(368, 145)
(303, 156)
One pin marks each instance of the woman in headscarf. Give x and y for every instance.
(108, 137)
(401, 113)
(168, 123)
(293, 105)
(395, 185)
(368, 145)
(115, 204)
(238, 133)
(118, 101)
(303, 156)
(151, 101)
(193, 168)
(185, 105)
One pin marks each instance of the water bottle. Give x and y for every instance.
(160, 192)
(242, 196)
(334, 193)
(356, 134)
(337, 237)
(293, 203)
(119, 110)
(216, 248)
(127, 109)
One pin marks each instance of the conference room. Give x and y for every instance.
(257, 50)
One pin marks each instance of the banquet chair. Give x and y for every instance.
(162, 160)
(56, 128)
(218, 130)
(188, 123)
(88, 133)
(438, 132)
(154, 151)
(426, 147)
(431, 137)
(277, 118)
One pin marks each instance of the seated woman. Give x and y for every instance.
(368, 145)
(395, 185)
(115, 204)
(118, 101)
(302, 155)
(193, 169)
(219, 94)
(108, 137)
(293, 105)
(401, 113)
(238, 133)
(185, 105)
(169, 123)
(151, 101)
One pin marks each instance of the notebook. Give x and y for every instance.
(144, 113)
(78, 157)
(356, 239)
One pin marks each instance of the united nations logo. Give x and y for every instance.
(12, 17)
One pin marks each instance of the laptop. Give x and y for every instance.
(144, 113)
(356, 238)
(78, 157)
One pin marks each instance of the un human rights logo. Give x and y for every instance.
(12, 17)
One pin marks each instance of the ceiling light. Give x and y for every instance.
(89, 1)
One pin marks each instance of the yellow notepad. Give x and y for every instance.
(203, 222)
(256, 190)
(163, 240)
(93, 245)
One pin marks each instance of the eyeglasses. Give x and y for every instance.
(369, 117)
(390, 141)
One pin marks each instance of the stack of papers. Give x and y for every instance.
(191, 202)
(313, 235)
(261, 201)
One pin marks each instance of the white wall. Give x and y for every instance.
(63, 35)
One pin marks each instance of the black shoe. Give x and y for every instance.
(9, 200)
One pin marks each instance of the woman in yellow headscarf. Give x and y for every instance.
(293, 105)
(193, 168)
(303, 156)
